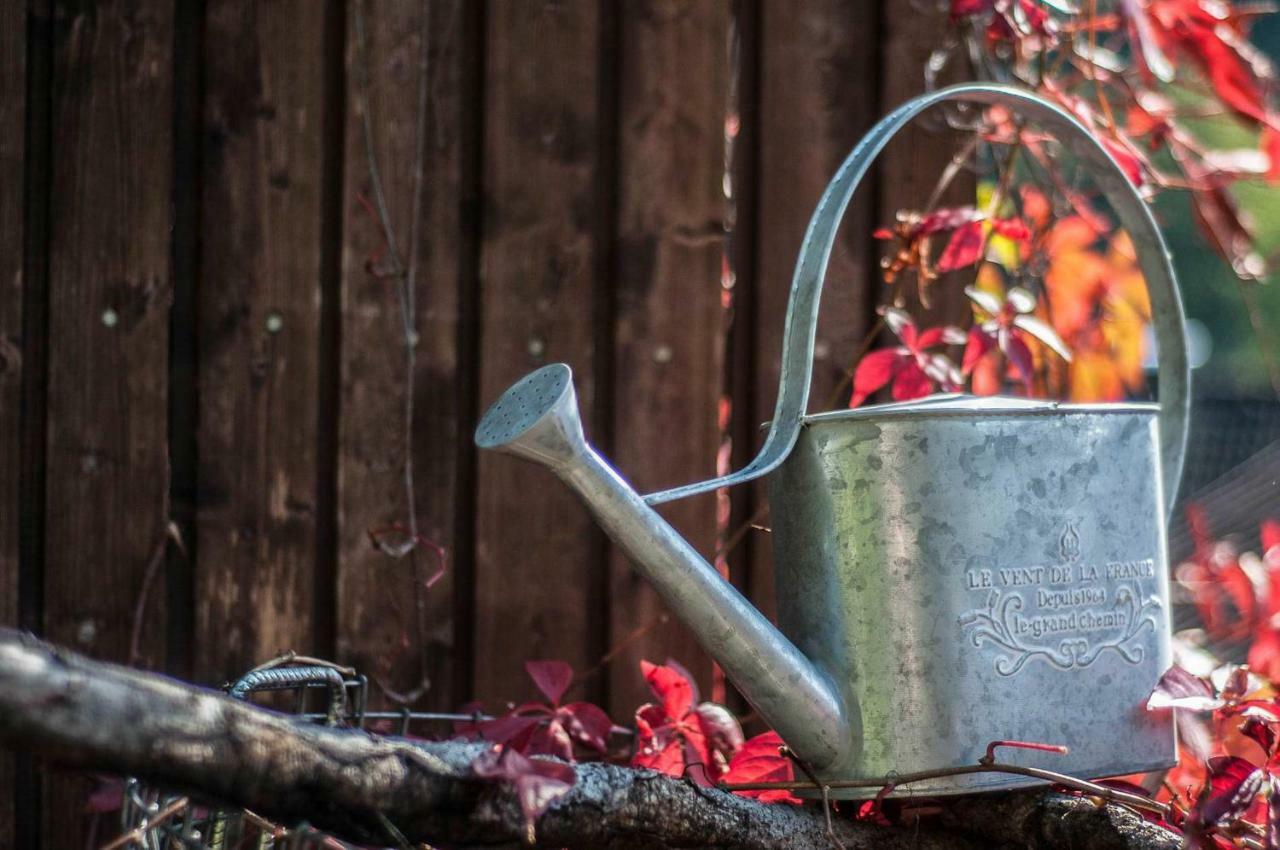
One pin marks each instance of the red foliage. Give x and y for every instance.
(1231, 603)
(1233, 785)
(760, 760)
(1009, 323)
(677, 735)
(913, 368)
(547, 729)
(538, 782)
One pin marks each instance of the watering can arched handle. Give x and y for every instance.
(811, 268)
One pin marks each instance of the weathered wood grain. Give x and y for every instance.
(108, 328)
(540, 566)
(915, 160)
(390, 625)
(670, 345)
(817, 98)
(259, 316)
(13, 78)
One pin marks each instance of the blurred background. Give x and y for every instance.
(265, 263)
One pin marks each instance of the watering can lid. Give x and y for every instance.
(965, 403)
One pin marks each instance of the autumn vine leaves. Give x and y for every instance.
(1058, 308)
(676, 734)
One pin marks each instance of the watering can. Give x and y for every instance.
(950, 572)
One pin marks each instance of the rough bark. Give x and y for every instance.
(90, 715)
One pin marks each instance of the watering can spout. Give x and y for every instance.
(537, 419)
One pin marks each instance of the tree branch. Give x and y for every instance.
(94, 716)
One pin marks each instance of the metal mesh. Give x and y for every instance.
(156, 819)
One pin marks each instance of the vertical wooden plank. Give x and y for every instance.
(109, 296)
(914, 161)
(13, 81)
(259, 308)
(670, 322)
(404, 648)
(539, 562)
(817, 97)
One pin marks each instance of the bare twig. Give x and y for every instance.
(406, 285)
(171, 533)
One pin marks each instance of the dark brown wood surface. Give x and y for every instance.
(811, 114)
(390, 624)
(670, 343)
(12, 238)
(108, 322)
(915, 160)
(259, 333)
(540, 569)
(220, 322)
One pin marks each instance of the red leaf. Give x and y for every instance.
(758, 760)
(551, 677)
(911, 382)
(1129, 161)
(1179, 689)
(699, 761)
(964, 248)
(720, 728)
(672, 687)
(928, 339)
(549, 739)
(1260, 731)
(1226, 227)
(538, 782)
(947, 218)
(1233, 785)
(1269, 143)
(658, 747)
(513, 730)
(1233, 80)
(961, 8)
(1270, 534)
(1011, 228)
(980, 342)
(874, 370)
(1264, 655)
(1020, 356)
(1236, 582)
(588, 724)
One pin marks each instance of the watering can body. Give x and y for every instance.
(1019, 589)
(950, 572)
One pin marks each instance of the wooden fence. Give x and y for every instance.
(201, 324)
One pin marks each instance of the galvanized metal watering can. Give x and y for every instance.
(950, 572)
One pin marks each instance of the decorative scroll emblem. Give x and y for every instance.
(1067, 614)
